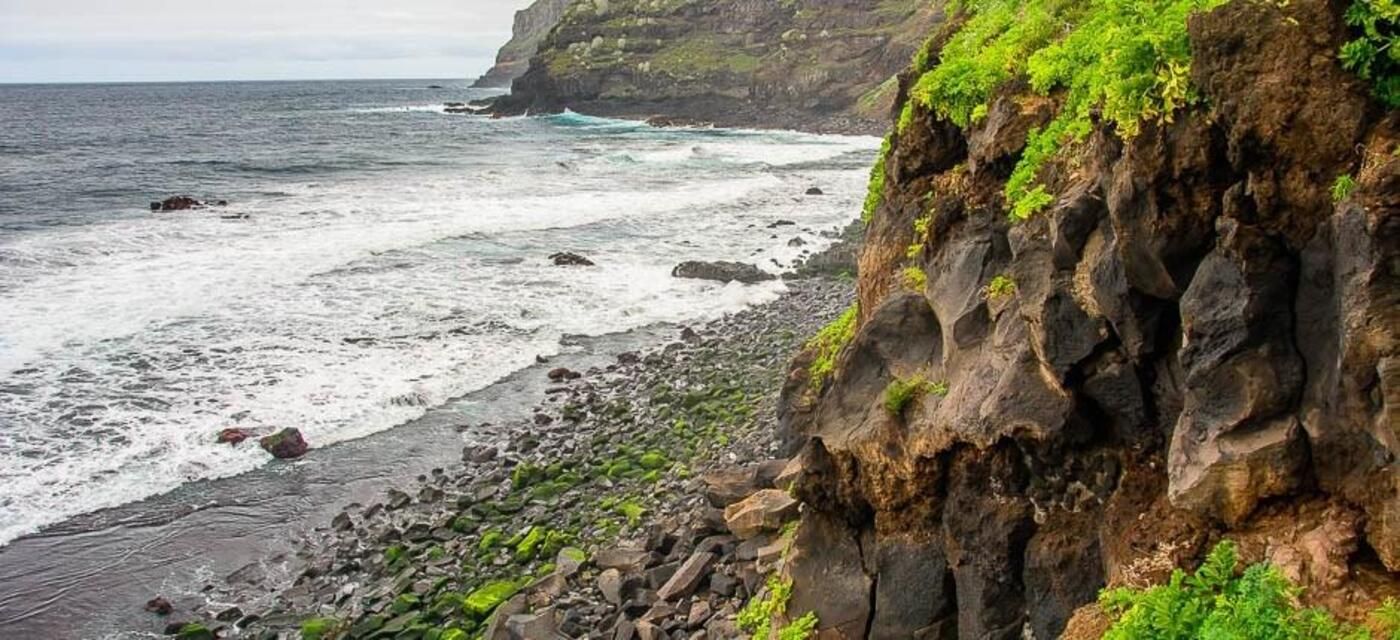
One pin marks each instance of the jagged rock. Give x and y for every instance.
(721, 271)
(538, 625)
(622, 558)
(687, 578)
(570, 259)
(765, 510)
(828, 577)
(285, 444)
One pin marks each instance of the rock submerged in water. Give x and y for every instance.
(285, 444)
(815, 191)
(722, 272)
(234, 435)
(159, 606)
(570, 259)
(185, 203)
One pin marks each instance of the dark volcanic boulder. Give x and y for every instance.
(285, 444)
(722, 272)
(570, 259)
(184, 203)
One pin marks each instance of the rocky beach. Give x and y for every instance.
(619, 508)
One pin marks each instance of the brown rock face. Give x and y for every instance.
(804, 64)
(532, 24)
(1200, 344)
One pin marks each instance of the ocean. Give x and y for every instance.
(377, 259)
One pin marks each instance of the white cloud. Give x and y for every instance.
(162, 40)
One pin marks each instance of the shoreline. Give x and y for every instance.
(607, 457)
(108, 564)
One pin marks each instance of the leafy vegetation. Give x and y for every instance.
(902, 391)
(1374, 54)
(1216, 602)
(829, 342)
(1002, 285)
(1125, 61)
(875, 193)
(757, 617)
(1343, 187)
(915, 278)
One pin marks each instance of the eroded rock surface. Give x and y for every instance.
(1198, 342)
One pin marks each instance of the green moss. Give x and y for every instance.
(319, 628)
(481, 602)
(489, 540)
(404, 603)
(828, 344)
(652, 460)
(453, 634)
(194, 631)
(1122, 61)
(800, 629)
(630, 510)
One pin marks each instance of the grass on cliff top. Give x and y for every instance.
(1128, 61)
(1218, 603)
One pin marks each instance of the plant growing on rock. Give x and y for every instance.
(1343, 187)
(900, 392)
(759, 615)
(1124, 61)
(915, 278)
(1000, 286)
(1374, 54)
(828, 344)
(1218, 602)
(875, 192)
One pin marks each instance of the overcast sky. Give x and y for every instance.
(124, 40)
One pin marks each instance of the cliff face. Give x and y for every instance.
(1195, 339)
(532, 24)
(795, 63)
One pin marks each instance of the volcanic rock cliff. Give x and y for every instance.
(819, 65)
(532, 24)
(1196, 338)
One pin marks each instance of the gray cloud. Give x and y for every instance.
(64, 40)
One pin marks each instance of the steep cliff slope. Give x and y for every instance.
(1173, 319)
(794, 63)
(532, 24)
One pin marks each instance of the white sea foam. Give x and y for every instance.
(349, 304)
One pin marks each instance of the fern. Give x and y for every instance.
(1374, 54)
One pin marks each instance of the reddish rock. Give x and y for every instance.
(285, 444)
(234, 435)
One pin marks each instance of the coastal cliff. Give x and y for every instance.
(531, 25)
(1095, 337)
(794, 64)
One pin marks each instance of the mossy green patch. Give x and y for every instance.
(194, 631)
(828, 344)
(481, 602)
(319, 628)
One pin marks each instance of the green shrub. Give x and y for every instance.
(915, 278)
(1374, 54)
(829, 342)
(1000, 286)
(875, 192)
(1125, 60)
(902, 391)
(1217, 602)
(1343, 187)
